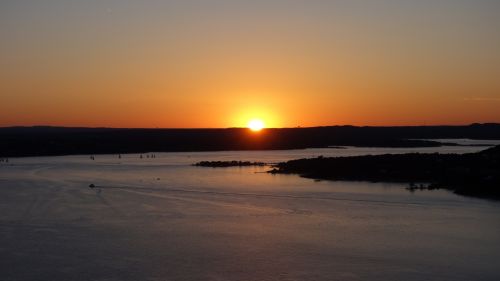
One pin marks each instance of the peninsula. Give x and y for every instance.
(472, 174)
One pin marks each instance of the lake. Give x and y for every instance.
(163, 219)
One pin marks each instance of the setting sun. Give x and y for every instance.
(255, 125)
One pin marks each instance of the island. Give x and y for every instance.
(472, 174)
(224, 164)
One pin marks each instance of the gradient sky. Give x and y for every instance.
(218, 63)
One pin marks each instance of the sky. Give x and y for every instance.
(220, 63)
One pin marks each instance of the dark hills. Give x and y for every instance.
(38, 141)
(473, 174)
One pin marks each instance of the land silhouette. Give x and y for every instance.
(50, 141)
(223, 164)
(472, 174)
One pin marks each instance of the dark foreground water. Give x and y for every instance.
(161, 219)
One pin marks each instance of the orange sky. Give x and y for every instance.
(291, 63)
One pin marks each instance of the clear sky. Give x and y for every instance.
(219, 63)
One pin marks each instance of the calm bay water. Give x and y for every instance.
(163, 219)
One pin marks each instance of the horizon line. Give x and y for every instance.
(225, 128)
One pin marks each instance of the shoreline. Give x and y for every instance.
(471, 174)
(58, 141)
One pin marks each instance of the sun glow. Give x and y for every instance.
(256, 125)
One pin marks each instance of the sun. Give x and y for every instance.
(256, 125)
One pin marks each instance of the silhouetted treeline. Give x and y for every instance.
(475, 174)
(225, 164)
(35, 141)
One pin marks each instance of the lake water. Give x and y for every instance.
(163, 219)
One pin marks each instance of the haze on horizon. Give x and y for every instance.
(220, 63)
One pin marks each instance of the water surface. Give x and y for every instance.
(162, 219)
